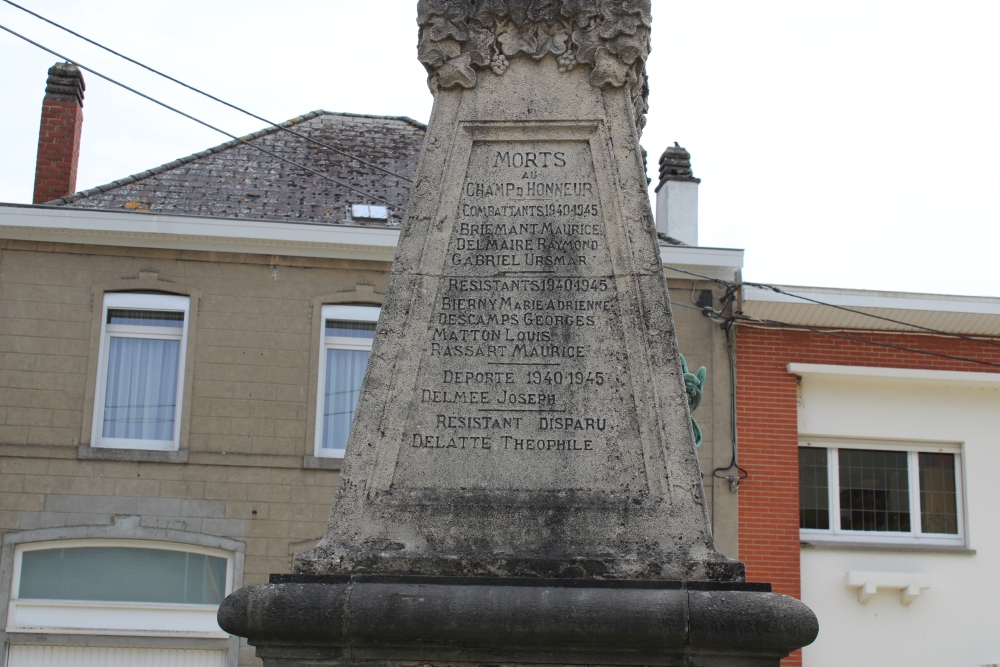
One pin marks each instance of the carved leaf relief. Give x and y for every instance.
(457, 37)
(544, 11)
(587, 43)
(580, 12)
(436, 53)
(551, 39)
(630, 48)
(515, 39)
(481, 45)
(608, 70)
(457, 72)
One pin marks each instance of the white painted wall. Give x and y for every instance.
(47, 655)
(677, 211)
(955, 623)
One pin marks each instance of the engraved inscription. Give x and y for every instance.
(525, 354)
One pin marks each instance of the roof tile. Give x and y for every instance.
(235, 180)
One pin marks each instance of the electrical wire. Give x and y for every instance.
(210, 96)
(694, 286)
(825, 332)
(201, 122)
(775, 288)
(718, 281)
(684, 305)
(727, 323)
(742, 319)
(741, 472)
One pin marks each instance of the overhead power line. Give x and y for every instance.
(718, 281)
(775, 288)
(826, 332)
(210, 96)
(675, 304)
(201, 122)
(778, 290)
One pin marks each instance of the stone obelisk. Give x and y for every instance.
(520, 484)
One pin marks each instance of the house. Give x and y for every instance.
(867, 422)
(179, 350)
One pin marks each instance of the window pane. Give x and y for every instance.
(149, 318)
(345, 370)
(938, 496)
(874, 490)
(141, 393)
(814, 490)
(350, 329)
(120, 574)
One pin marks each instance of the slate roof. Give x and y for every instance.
(234, 180)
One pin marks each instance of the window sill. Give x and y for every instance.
(958, 550)
(144, 455)
(114, 618)
(322, 462)
(59, 639)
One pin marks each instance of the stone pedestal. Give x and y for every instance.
(521, 485)
(399, 620)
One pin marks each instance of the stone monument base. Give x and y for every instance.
(391, 621)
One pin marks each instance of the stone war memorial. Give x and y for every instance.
(520, 485)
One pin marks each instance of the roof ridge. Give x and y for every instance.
(405, 119)
(173, 164)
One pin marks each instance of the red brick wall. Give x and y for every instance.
(768, 428)
(58, 150)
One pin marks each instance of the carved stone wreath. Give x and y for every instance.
(459, 37)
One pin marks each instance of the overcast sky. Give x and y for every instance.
(841, 143)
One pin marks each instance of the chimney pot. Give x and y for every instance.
(675, 165)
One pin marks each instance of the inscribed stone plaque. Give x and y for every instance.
(522, 384)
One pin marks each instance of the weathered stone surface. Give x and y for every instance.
(521, 485)
(458, 40)
(524, 412)
(388, 620)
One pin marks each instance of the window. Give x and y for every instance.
(118, 587)
(347, 337)
(366, 212)
(140, 371)
(877, 492)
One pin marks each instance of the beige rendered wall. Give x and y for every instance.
(248, 421)
(703, 343)
(248, 415)
(252, 360)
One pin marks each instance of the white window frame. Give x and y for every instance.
(349, 313)
(99, 617)
(139, 301)
(369, 212)
(915, 536)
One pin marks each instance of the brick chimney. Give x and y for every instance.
(59, 136)
(677, 197)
